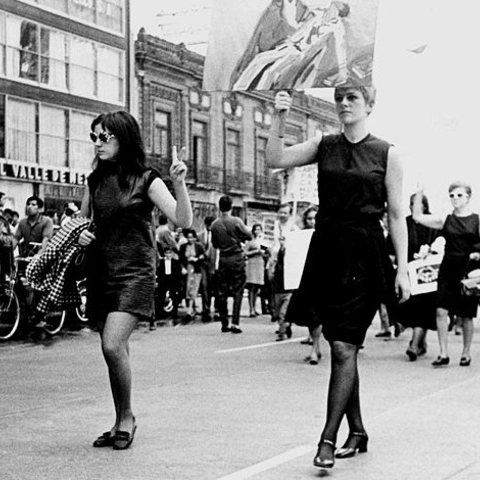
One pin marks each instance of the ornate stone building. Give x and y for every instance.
(225, 133)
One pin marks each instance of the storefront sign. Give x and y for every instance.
(36, 173)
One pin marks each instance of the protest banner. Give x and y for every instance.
(288, 44)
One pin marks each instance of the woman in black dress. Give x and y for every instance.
(461, 230)
(419, 312)
(348, 272)
(120, 196)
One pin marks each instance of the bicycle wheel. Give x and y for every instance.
(81, 310)
(9, 315)
(54, 321)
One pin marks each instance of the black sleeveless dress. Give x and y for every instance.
(461, 238)
(121, 261)
(348, 272)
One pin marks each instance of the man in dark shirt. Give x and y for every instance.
(34, 228)
(228, 233)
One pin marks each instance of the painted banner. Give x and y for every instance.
(288, 44)
(424, 274)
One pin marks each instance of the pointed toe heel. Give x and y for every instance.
(325, 457)
(357, 442)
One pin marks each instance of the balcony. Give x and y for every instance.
(267, 187)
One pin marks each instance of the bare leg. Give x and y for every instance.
(315, 333)
(255, 291)
(251, 299)
(442, 331)
(116, 332)
(467, 327)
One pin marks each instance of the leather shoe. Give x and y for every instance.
(106, 439)
(441, 361)
(122, 439)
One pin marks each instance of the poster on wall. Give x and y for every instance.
(290, 44)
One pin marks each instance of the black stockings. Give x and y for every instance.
(343, 391)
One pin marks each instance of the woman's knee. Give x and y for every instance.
(343, 352)
(112, 349)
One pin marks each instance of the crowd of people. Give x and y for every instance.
(142, 264)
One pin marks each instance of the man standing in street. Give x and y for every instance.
(228, 233)
(281, 296)
(34, 228)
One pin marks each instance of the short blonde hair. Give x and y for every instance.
(460, 184)
(369, 93)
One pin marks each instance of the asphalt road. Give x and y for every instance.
(213, 406)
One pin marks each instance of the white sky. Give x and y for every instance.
(427, 104)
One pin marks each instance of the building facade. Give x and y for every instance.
(61, 63)
(225, 133)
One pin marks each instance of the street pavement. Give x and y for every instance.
(219, 406)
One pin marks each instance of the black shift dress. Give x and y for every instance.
(348, 272)
(121, 261)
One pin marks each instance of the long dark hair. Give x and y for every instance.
(131, 154)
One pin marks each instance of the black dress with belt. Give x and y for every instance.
(348, 272)
(122, 259)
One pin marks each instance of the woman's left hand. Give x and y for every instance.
(475, 256)
(178, 169)
(402, 287)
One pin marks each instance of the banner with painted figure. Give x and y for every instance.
(290, 44)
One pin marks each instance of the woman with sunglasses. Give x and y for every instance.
(461, 230)
(120, 196)
(348, 272)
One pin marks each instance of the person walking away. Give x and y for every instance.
(348, 272)
(121, 256)
(461, 230)
(228, 233)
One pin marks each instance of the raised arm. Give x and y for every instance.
(276, 155)
(397, 223)
(426, 219)
(179, 209)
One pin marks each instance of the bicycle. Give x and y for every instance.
(18, 303)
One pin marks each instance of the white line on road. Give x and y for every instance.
(260, 345)
(303, 450)
(268, 464)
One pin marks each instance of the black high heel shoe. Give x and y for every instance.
(327, 461)
(356, 443)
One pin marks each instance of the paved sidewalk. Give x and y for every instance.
(214, 406)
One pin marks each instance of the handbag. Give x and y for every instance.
(78, 267)
(471, 284)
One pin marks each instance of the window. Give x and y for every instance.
(3, 44)
(52, 136)
(233, 151)
(200, 143)
(162, 133)
(2, 126)
(82, 67)
(60, 61)
(261, 168)
(110, 79)
(104, 13)
(81, 151)
(21, 131)
(110, 14)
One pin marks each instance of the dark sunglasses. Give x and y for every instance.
(104, 137)
(459, 195)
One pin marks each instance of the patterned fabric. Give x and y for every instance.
(49, 273)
